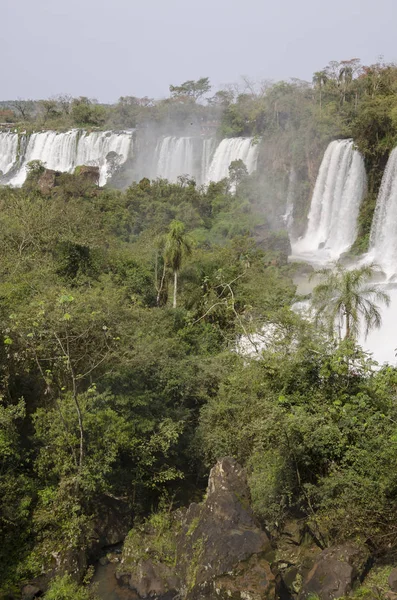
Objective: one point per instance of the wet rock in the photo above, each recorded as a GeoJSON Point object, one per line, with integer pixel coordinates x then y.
{"type": "Point", "coordinates": [335, 572]}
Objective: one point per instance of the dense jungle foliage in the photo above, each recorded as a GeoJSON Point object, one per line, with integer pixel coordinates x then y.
{"type": "Point", "coordinates": [124, 318]}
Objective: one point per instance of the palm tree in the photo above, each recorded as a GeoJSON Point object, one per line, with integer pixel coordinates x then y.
{"type": "Point", "coordinates": [177, 246]}
{"type": "Point", "coordinates": [345, 78]}
{"type": "Point", "coordinates": [348, 299]}
{"type": "Point", "coordinates": [320, 79]}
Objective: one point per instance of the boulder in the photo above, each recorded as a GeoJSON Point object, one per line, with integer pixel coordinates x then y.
{"type": "Point", "coordinates": [47, 181]}
{"type": "Point", "coordinates": [111, 525]}
{"type": "Point", "coordinates": [296, 554]}
{"type": "Point", "coordinates": [335, 572]}
{"type": "Point", "coordinates": [154, 580]}
{"type": "Point", "coordinates": [393, 580]}
{"type": "Point", "coordinates": [29, 592]}
{"type": "Point", "coordinates": [217, 548]}
{"type": "Point", "coordinates": [88, 173]}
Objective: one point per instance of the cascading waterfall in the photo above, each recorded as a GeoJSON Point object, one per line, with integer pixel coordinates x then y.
{"type": "Point", "coordinates": [174, 156]}
{"type": "Point", "coordinates": [201, 158]}
{"type": "Point", "coordinates": [288, 216]}
{"type": "Point", "coordinates": [63, 152]}
{"type": "Point", "coordinates": [8, 151]}
{"type": "Point", "coordinates": [229, 150]}
{"type": "Point", "coordinates": [207, 151]}
{"type": "Point", "coordinates": [383, 237]}
{"type": "Point", "coordinates": [93, 148]}
{"type": "Point", "coordinates": [338, 193]}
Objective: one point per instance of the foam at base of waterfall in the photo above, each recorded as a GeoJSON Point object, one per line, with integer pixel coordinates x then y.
{"type": "Point", "coordinates": [336, 200]}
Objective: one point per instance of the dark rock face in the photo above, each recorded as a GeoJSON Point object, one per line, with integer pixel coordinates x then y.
{"type": "Point", "coordinates": [29, 592]}
{"type": "Point", "coordinates": [296, 554]}
{"type": "Point", "coordinates": [335, 572]}
{"type": "Point", "coordinates": [47, 181]}
{"type": "Point", "coordinates": [89, 173]}
{"type": "Point", "coordinates": [220, 551]}
{"type": "Point", "coordinates": [221, 533]}
{"type": "Point", "coordinates": [111, 525]}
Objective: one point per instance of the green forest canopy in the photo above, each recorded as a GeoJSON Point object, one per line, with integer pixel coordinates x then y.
{"type": "Point", "coordinates": [106, 390]}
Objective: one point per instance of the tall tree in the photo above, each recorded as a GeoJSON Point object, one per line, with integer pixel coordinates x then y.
{"type": "Point", "coordinates": [176, 247]}
{"type": "Point", "coordinates": [347, 299]}
{"type": "Point", "coordinates": [191, 89]}
{"type": "Point", "coordinates": [320, 79]}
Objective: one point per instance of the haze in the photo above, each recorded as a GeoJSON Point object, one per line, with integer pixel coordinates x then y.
{"type": "Point", "coordinates": [104, 49]}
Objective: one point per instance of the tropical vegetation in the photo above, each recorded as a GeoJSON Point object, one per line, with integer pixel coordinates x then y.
{"type": "Point", "coordinates": [123, 314]}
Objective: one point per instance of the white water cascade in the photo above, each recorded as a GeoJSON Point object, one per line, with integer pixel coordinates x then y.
{"type": "Point", "coordinates": [174, 156]}
{"type": "Point", "coordinates": [8, 151]}
{"type": "Point", "coordinates": [228, 150]}
{"type": "Point", "coordinates": [206, 156]}
{"type": "Point", "coordinates": [202, 158]}
{"type": "Point", "coordinates": [383, 238]}
{"type": "Point", "coordinates": [288, 216]}
{"type": "Point", "coordinates": [62, 152]}
{"type": "Point", "coordinates": [196, 157]}
{"type": "Point", "coordinates": [338, 193]}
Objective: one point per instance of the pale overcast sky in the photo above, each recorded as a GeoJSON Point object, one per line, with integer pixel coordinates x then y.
{"type": "Point", "coordinates": [106, 49]}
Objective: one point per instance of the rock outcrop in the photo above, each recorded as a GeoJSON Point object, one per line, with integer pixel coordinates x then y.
{"type": "Point", "coordinates": [213, 550]}
{"type": "Point", "coordinates": [88, 173]}
{"type": "Point", "coordinates": [335, 572]}
{"type": "Point", "coordinates": [47, 181]}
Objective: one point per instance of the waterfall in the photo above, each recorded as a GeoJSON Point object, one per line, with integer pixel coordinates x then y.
{"type": "Point", "coordinates": [201, 158]}
{"type": "Point", "coordinates": [338, 193]}
{"type": "Point", "coordinates": [174, 156]}
{"type": "Point", "coordinates": [207, 151]}
{"type": "Point", "coordinates": [64, 152]}
{"type": "Point", "coordinates": [93, 148]}
{"type": "Point", "coordinates": [8, 151]}
{"type": "Point", "coordinates": [229, 150]}
{"type": "Point", "coordinates": [383, 237]}
{"type": "Point", "coordinates": [288, 216]}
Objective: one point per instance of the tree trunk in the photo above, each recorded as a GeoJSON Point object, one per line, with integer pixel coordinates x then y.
{"type": "Point", "coordinates": [347, 336]}
{"type": "Point", "coordinates": [175, 288]}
